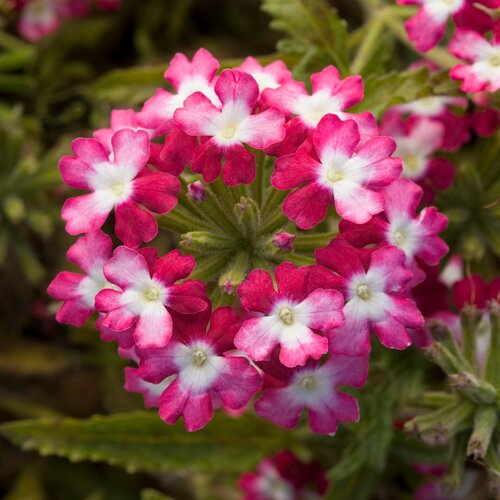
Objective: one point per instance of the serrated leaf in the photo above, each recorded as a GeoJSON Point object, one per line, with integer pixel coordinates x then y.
{"type": "Point", "coordinates": [383, 91]}
{"type": "Point", "coordinates": [310, 24]}
{"type": "Point", "coordinates": [141, 441]}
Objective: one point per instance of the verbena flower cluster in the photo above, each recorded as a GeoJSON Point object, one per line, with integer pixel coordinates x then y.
{"type": "Point", "coordinates": [39, 18]}
{"type": "Point", "coordinates": [256, 173]}
{"type": "Point", "coordinates": [476, 39]}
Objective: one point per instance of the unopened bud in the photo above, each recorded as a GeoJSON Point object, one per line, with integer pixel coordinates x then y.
{"type": "Point", "coordinates": [197, 191]}
{"type": "Point", "coordinates": [475, 389]}
{"type": "Point", "coordinates": [485, 421]}
{"type": "Point", "coordinates": [283, 240]}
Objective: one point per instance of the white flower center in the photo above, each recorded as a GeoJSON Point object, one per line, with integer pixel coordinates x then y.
{"type": "Point", "coordinates": [308, 382]}
{"type": "Point", "coordinates": [152, 294]}
{"type": "Point", "coordinates": [199, 358]}
{"type": "Point", "coordinates": [334, 175]}
{"type": "Point", "coordinates": [363, 292]}
{"type": "Point", "coordinates": [286, 315]}
{"type": "Point", "coordinates": [118, 189]}
{"type": "Point", "coordinates": [495, 60]}
{"type": "Point", "coordinates": [229, 131]}
{"type": "Point", "coordinates": [399, 237]}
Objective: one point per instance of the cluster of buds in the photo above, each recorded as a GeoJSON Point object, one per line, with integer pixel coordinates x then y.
{"type": "Point", "coordinates": [475, 40]}
{"type": "Point", "coordinates": [267, 298]}
{"type": "Point", "coordinates": [39, 18]}
{"type": "Point", "coordinates": [466, 346]}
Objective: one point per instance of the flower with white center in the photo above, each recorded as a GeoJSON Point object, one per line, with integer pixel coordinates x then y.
{"type": "Point", "coordinates": [314, 387]}
{"type": "Point", "coordinates": [400, 226]}
{"type": "Point", "coordinates": [187, 77]}
{"type": "Point", "coordinates": [431, 106]}
{"type": "Point", "coordinates": [229, 128]}
{"type": "Point", "coordinates": [283, 477]}
{"type": "Point", "coordinates": [146, 297]}
{"type": "Point", "coordinates": [202, 368]}
{"type": "Point", "coordinates": [374, 294]}
{"type": "Point", "coordinates": [330, 95]}
{"type": "Point", "coordinates": [290, 317]}
{"type": "Point", "coordinates": [267, 77]}
{"type": "Point", "coordinates": [119, 184]}
{"type": "Point", "coordinates": [90, 253]}
{"type": "Point", "coordinates": [427, 27]}
{"type": "Point", "coordinates": [338, 171]}
{"type": "Point", "coordinates": [483, 72]}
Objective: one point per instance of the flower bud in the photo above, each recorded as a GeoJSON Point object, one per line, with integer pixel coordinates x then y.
{"type": "Point", "coordinates": [283, 240]}
{"type": "Point", "coordinates": [197, 191]}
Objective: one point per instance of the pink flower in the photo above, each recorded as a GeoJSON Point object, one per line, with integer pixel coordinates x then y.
{"type": "Point", "coordinates": [150, 392]}
{"type": "Point", "coordinates": [147, 295]}
{"type": "Point", "coordinates": [38, 19]}
{"type": "Point", "coordinates": [374, 294]}
{"type": "Point", "coordinates": [186, 77]}
{"type": "Point", "coordinates": [77, 291]}
{"type": "Point", "coordinates": [120, 183]}
{"type": "Point", "coordinates": [120, 119]}
{"type": "Point", "coordinates": [416, 235]}
{"type": "Point", "coordinates": [437, 108]}
{"type": "Point", "coordinates": [314, 387]}
{"type": "Point", "coordinates": [417, 140]}
{"type": "Point", "coordinates": [267, 77]}
{"type": "Point", "coordinates": [289, 317]}
{"type": "Point", "coordinates": [336, 169]}
{"type": "Point", "coordinates": [284, 477]}
{"type": "Point", "coordinates": [330, 95]}
{"type": "Point", "coordinates": [227, 129]}
{"type": "Point", "coordinates": [196, 359]}
{"type": "Point", "coordinates": [428, 25]}
{"type": "Point", "coordinates": [484, 71]}
{"type": "Point", "coordinates": [474, 291]}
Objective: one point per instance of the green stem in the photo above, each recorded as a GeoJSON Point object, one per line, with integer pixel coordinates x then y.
{"type": "Point", "coordinates": [368, 45]}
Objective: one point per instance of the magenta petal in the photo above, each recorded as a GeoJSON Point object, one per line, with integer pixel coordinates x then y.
{"type": "Point", "coordinates": [65, 286]}
{"type": "Point", "coordinates": [340, 257]}
{"type": "Point", "coordinates": [239, 166]}
{"type": "Point", "coordinates": [188, 297]}
{"type": "Point", "coordinates": [294, 170]}
{"type": "Point", "coordinates": [203, 65]}
{"type": "Point", "coordinates": [75, 172]}
{"type": "Point", "coordinates": [154, 327]}
{"type": "Point", "coordinates": [424, 30]}
{"type": "Point", "coordinates": [74, 312]}
{"type": "Point", "coordinates": [257, 292]}
{"type": "Point", "coordinates": [198, 116]}
{"type": "Point", "coordinates": [176, 153]}
{"type": "Point", "coordinates": [402, 197]}
{"type": "Point", "coordinates": [224, 324]}
{"type": "Point", "coordinates": [335, 137]}
{"type": "Point", "coordinates": [257, 338]}
{"type": "Point", "coordinates": [156, 191]}
{"type": "Point", "coordinates": [207, 160]}
{"type": "Point", "coordinates": [91, 251]}
{"type": "Point", "coordinates": [308, 205]}
{"type": "Point", "coordinates": [173, 267]}
{"type": "Point", "coordinates": [292, 282]}
{"type": "Point", "coordinates": [85, 213]}
{"type": "Point", "coordinates": [352, 338]}
{"type": "Point", "coordinates": [133, 225]}
{"type": "Point", "coordinates": [275, 406]}
{"type": "Point", "coordinates": [127, 268]}
{"type": "Point", "coordinates": [235, 86]}
{"type": "Point", "coordinates": [131, 149]}
{"type": "Point", "coordinates": [90, 151]}
{"type": "Point", "coordinates": [238, 383]}
{"type": "Point", "coordinates": [348, 370]}
{"type": "Point", "coordinates": [392, 334]}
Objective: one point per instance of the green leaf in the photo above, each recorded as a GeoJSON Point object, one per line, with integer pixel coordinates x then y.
{"type": "Point", "coordinates": [310, 24]}
{"type": "Point", "coordinates": [141, 441]}
{"type": "Point", "coordinates": [131, 85]}
{"type": "Point", "coordinates": [151, 494]}
{"type": "Point", "coordinates": [384, 91]}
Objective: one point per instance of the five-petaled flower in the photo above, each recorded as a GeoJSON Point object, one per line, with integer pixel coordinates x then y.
{"type": "Point", "coordinates": [120, 183]}
{"type": "Point", "coordinates": [202, 369]}
{"type": "Point", "coordinates": [289, 317]}
{"type": "Point", "coordinates": [336, 169]}
{"type": "Point", "coordinates": [147, 293]}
